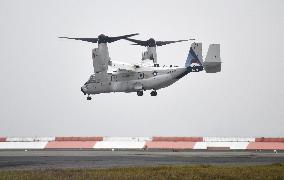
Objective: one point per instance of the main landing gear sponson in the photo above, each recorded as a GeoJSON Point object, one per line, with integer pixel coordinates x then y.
{"type": "Point", "coordinates": [153, 93]}
{"type": "Point", "coordinates": [140, 93]}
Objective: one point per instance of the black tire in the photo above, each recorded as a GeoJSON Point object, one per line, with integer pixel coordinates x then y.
{"type": "Point", "coordinates": [153, 93]}
{"type": "Point", "coordinates": [139, 93]}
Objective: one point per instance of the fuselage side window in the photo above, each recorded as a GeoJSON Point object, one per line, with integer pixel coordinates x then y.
{"type": "Point", "coordinates": [113, 78]}
{"type": "Point", "coordinates": [140, 75]}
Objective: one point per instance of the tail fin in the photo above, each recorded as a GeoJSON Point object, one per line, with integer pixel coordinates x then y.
{"type": "Point", "coordinates": [194, 55]}
{"type": "Point", "coordinates": [212, 63]}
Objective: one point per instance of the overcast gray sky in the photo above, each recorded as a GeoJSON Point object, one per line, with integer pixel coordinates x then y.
{"type": "Point", "coordinates": [41, 75]}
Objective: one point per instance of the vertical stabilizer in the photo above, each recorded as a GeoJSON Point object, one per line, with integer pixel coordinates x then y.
{"type": "Point", "coordinates": [194, 55]}
{"type": "Point", "coordinates": [212, 63]}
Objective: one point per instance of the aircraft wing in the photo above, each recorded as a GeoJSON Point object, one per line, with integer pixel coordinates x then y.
{"type": "Point", "coordinates": [123, 66]}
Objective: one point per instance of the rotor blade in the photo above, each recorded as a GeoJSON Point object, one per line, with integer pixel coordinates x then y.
{"type": "Point", "coordinates": [161, 43]}
{"type": "Point", "coordinates": [112, 39]}
{"type": "Point", "coordinates": [138, 42]}
{"type": "Point", "coordinates": [92, 40]}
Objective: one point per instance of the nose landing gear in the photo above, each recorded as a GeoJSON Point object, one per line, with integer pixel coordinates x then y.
{"type": "Point", "coordinates": [153, 93]}
{"type": "Point", "coordinates": [89, 98]}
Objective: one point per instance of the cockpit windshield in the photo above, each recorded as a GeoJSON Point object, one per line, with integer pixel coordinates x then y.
{"type": "Point", "coordinates": [91, 79]}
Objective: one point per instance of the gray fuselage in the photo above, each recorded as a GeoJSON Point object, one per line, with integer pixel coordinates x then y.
{"type": "Point", "coordinates": [143, 78]}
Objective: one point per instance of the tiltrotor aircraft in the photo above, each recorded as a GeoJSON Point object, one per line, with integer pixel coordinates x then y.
{"type": "Point", "coordinates": [110, 76]}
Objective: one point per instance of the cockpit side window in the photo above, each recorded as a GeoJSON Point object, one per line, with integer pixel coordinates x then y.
{"type": "Point", "coordinates": [92, 79]}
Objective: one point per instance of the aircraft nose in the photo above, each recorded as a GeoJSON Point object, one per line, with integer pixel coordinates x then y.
{"type": "Point", "coordinates": [82, 89]}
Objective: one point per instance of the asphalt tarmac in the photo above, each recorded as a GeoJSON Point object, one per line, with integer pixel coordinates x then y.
{"type": "Point", "coordinates": [11, 160]}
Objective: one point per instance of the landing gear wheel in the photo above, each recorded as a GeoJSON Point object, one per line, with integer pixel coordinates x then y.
{"type": "Point", "coordinates": [89, 98]}
{"type": "Point", "coordinates": [140, 93]}
{"type": "Point", "coordinates": [153, 93]}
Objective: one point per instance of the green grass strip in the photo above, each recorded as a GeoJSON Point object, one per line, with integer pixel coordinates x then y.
{"type": "Point", "coordinates": [274, 171]}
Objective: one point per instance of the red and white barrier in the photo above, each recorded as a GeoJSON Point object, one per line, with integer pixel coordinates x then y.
{"type": "Point", "coordinates": [2, 139]}
{"type": "Point", "coordinates": [70, 144]}
{"type": "Point", "coordinates": [29, 139]}
{"type": "Point", "coordinates": [221, 145]}
{"type": "Point", "coordinates": [138, 139]}
{"type": "Point", "coordinates": [178, 139]}
{"type": "Point", "coordinates": [263, 139]}
{"type": "Point", "coordinates": [22, 145]}
{"type": "Point", "coordinates": [169, 145]}
{"type": "Point", "coordinates": [98, 142]}
{"type": "Point", "coordinates": [228, 139]}
{"type": "Point", "coordinates": [265, 146]}
{"type": "Point", "coordinates": [76, 138]}
{"type": "Point", "coordinates": [119, 145]}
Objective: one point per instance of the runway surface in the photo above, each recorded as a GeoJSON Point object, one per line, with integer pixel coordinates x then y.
{"type": "Point", "coordinates": [105, 159]}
